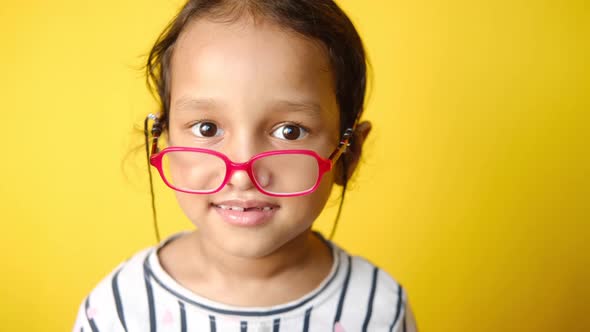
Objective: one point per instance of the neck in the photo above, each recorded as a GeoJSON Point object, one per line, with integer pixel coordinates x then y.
{"type": "Point", "coordinates": [288, 273]}
{"type": "Point", "coordinates": [295, 256]}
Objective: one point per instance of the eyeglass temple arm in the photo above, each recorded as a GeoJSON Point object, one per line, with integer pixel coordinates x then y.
{"type": "Point", "coordinates": [156, 131]}
{"type": "Point", "coordinates": [345, 141]}
{"type": "Point", "coordinates": [342, 146]}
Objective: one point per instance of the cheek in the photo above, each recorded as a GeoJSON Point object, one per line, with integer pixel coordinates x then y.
{"type": "Point", "coordinates": [193, 206]}
{"type": "Point", "coordinates": [325, 187]}
{"type": "Point", "coordinates": [309, 207]}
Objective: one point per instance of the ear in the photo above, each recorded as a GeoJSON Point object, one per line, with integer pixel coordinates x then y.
{"type": "Point", "coordinates": [353, 153]}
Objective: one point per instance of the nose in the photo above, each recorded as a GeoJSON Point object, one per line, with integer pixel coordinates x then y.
{"type": "Point", "coordinates": [238, 177]}
{"type": "Point", "coordinates": [240, 180]}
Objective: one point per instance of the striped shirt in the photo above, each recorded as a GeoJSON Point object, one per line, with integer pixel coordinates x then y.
{"type": "Point", "coordinates": [140, 296]}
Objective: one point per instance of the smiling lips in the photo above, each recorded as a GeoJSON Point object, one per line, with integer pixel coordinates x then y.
{"type": "Point", "coordinates": [245, 213]}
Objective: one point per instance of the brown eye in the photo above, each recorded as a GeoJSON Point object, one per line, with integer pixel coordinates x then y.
{"type": "Point", "coordinates": [206, 129]}
{"type": "Point", "coordinates": [289, 132]}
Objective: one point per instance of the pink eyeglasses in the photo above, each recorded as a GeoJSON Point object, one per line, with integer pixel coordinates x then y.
{"type": "Point", "coordinates": [280, 173]}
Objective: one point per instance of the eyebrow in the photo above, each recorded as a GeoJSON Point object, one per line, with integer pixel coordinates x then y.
{"type": "Point", "coordinates": [189, 103]}
{"type": "Point", "coordinates": [310, 109]}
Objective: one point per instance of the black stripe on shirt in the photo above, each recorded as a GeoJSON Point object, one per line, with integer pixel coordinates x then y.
{"type": "Point", "coordinates": [306, 321]}
{"type": "Point", "coordinates": [276, 325]}
{"type": "Point", "coordinates": [343, 292]}
{"type": "Point", "coordinates": [398, 307]}
{"type": "Point", "coordinates": [405, 324]}
{"type": "Point", "coordinates": [212, 324]}
{"type": "Point", "coordinates": [182, 317]}
{"type": "Point", "coordinates": [118, 302]}
{"type": "Point", "coordinates": [90, 320]}
{"type": "Point", "coordinates": [371, 299]}
{"type": "Point", "coordinates": [150, 296]}
{"type": "Point", "coordinates": [244, 326]}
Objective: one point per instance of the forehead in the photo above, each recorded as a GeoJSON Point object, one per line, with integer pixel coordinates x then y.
{"type": "Point", "coordinates": [250, 63]}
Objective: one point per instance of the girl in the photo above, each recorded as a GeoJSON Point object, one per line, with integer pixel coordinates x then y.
{"type": "Point", "coordinates": [260, 106]}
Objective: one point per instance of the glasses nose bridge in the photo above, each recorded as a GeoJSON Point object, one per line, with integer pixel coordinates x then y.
{"type": "Point", "coordinates": [234, 167]}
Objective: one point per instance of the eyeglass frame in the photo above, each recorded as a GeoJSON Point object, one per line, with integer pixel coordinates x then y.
{"type": "Point", "coordinates": [324, 165]}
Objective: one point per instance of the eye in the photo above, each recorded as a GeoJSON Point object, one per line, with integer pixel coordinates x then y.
{"type": "Point", "coordinates": [206, 129]}
{"type": "Point", "coordinates": [289, 132]}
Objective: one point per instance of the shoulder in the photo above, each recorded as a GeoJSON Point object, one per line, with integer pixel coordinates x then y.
{"type": "Point", "coordinates": [367, 285]}
{"type": "Point", "coordinates": [124, 287]}
{"type": "Point", "coordinates": [360, 271]}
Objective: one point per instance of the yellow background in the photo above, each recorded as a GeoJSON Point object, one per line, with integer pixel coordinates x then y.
{"type": "Point", "coordinates": [474, 192]}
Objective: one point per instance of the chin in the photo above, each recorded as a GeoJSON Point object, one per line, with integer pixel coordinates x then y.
{"type": "Point", "coordinates": [253, 242]}
{"type": "Point", "coordinates": [250, 247]}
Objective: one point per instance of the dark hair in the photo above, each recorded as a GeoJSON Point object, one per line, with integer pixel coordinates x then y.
{"type": "Point", "coordinates": [321, 20]}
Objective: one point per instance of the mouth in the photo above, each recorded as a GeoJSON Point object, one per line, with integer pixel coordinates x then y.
{"type": "Point", "coordinates": [242, 209]}
{"type": "Point", "coordinates": [245, 213]}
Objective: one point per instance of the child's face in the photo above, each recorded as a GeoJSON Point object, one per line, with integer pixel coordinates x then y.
{"type": "Point", "coordinates": [242, 89]}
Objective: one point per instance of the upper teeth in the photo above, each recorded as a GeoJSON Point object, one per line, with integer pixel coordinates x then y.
{"type": "Point", "coordinates": [241, 209]}
{"type": "Point", "coordinates": [235, 208]}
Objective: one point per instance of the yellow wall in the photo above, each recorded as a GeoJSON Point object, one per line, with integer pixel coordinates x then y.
{"type": "Point", "coordinates": [474, 192]}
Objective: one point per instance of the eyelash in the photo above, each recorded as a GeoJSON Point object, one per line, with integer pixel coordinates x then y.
{"type": "Point", "coordinates": [193, 123]}
{"type": "Point", "coordinates": [293, 123]}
